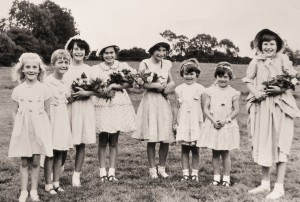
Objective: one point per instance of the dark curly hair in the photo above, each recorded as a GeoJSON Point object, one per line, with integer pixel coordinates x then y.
{"type": "Point", "coordinates": [81, 44]}
{"type": "Point", "coordinates": [223, 68]}
{"type": "Point", "coordinates": [268, 35]}
{"type": "Point", "coordinates": [191, 65]}
{"type": "Point", "coordinates": [157, 46]}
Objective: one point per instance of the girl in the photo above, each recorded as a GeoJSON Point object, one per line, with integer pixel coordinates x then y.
{"type": "Point", "coordinates": [271, 118]}
{"type": "Point", "coordinates": [31, 135]}
{"type": "Point", "coordinates": [220, 131]}
{"type": "Point", "coordinates": [59, 118]}
{"type": "Point", "coordinates": [188, 116]}
{"type": "Point", "coordinates": [154, 116]}
{"type": "Point", "coordinates": [81, 111]}
{"type": "Point", "coordinates": [114, 116]}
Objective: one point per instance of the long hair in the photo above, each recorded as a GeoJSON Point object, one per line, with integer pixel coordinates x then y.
{"type": "Point", "coordinates": [17, 73]}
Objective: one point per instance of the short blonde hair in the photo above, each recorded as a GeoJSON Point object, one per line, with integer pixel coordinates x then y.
{"type": "Point", "coordinates": [60, 53]}
{"type": "Point", "coordinates": [18, 75]}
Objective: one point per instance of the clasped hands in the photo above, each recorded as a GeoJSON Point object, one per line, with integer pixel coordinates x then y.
{"type": "Point", "coordinates": [270, 91]}
{"type": "Point", "coordinates": [166, 88]}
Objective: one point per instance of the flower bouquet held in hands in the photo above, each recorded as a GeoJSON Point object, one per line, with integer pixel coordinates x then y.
{"type": "Point", "coordinates": [95, 85]}
{"type": "Point", "coordinates": [284, 81]}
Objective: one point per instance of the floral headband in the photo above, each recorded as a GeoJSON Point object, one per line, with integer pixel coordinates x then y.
{"type": "Point", "coordinates": [77, 37]}
{"type": "Point", "coordinates": [225, 65]}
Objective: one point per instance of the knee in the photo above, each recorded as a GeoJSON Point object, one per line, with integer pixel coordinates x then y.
{"type": "Point", "coordinates": [216, 154]}
{"type": "Point", "coordinates": [102, 143]}
{"type": "Point", "coordinates": [113, 144]}
{"type": "Point", "coordinates": [24, 163]}
{"type": "Point", "coordinates": [35, 162]}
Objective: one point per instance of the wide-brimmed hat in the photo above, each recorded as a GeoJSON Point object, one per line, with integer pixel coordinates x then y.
{"type": "Point", "coordinates": [104, 46]}
{"type": "Point", "coordinates": [263, 32]}
{"type": "Point", "coordinates": [77, 37]}
{"type": "Point", "coordinates": [158, 42]}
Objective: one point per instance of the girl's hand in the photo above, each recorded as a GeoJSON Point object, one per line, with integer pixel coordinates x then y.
{"type": "Point", "coordinates": [160, 87]}
{"type": "Point", "coordinates": [222, 123]}
{"type": "Point", "coordinates": [169, 88]}
{"type": "Point", "coordinates": [217, 124]}
{"type": "Point", "coordinates": [260, 96]}
{"type": "Point", "coordinates": [109, 88]}
{"type": "Point", "coordinates": [274, 90]}
{"type": "Point", "coordinates": [80, 94]}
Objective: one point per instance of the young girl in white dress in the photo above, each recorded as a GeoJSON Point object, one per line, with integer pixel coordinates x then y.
{"type": "Point", "coordinates": [59, 118]}
{"type": "Point", "coordinates": [188, 116]}
{"type": "Point", "coordinates": [220, 131]}
{"type": "Point", "coordinates": [32, 133]}
{"type": "Point", "coordinates": [154, 116]}
{"type": "Point", "coordinates": [271, 118]}
{"type": "Point", "coordinates": [81, 111]}
{"type": "Point", "coordinates": [112, 116]}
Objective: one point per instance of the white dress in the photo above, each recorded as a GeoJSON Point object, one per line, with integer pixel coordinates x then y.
{"type": "Point", "coordinates": [59, 115]}
{"type": "Point", "coordinates": [154, 116]}
{"type": "Point", "coordinates": [117, 114]}
{"type": "Point", "coordinates": [32, 133]}
{"type": "Point", "coordinates": [81, 112]}
{"type": "Point", "coordinates": [190, 115]}
{"type": "Point", "coordinates": [227, 137]}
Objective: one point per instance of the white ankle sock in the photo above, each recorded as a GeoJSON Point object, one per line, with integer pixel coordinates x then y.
{"type": "Point", "coordinates": [226, 178]}
{"type": "Point", "coordinates": [265, 183]}
{"type": "Point", "coordinates": [111, 172]}
{"type": "Point", "coordinates": [185, 172]}
{"type": "Point", "coordinates": [102, 172]}
{"type": "Point", "coordinates": [195, 172]}
{"type": "Point", "coordinates": [217, 178]}
{"type": "Point", "coordinates": [278, 187]}
{"type": "Point", "coordinates": [56, 184]}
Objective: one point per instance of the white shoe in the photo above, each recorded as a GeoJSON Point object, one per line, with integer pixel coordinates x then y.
{"type": "Point", "coordinates": [259, 189]}
{"type": "Point", "coordinates": [162, 172]}
{"type": "Point", "coordinates": [34, 197]}
{"type": "Point", "coordinates": [153, 173]}
{"type": "Point", "coordinates": [275, 194]}
{"type": "Point", "coordinates": [49, 188]}
{"type": "Point", "coordinates": [23, 196]}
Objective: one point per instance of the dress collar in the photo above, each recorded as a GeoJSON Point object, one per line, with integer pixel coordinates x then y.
{"type": "Point", "coordinates": [105, 67]}
{"type": "Point", "coordinates": [55, 81]}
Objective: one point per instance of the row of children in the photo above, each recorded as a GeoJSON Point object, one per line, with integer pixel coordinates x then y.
{"type": "Point", "coordinates": [49, 119]}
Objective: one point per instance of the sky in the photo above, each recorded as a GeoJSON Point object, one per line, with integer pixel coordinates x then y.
{"type": "Point", "coordinates": [130, 23]}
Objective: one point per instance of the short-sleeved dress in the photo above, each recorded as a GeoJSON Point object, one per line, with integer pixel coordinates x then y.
{"type": "Point", "coordinates": [190, 115]}
{"type": "Point", "coordinates": [154, 116]}
{"type": "Point", "coordinates": [227, 137]}
{"type": "Point", "coordinates": [81, 112]}
{"type": "Point", "coordinates": [117, 114]}
{"type": "Point", "coordinates": [59, 115]}
{"type": "Point", "coordinates": [32, 133]}
{"type": "Point", "coordinates": [270, 122]}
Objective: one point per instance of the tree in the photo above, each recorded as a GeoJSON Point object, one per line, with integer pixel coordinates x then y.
{"type": "Point", "coordinates": [9, 51]}
{"type": "Point", "coordinates": [230, 48]}
{"type": "Point", "coordinates": [135, 53]}
{"type": "Point", "coordinates": [203, 43]}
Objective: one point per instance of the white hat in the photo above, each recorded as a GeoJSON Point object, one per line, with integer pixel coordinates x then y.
{"type": "Point", "coordinates": [77, 37]}
{"type": "Point", "coordinates": [104, 46]}
{"type": "Point", "coordinates": [159, 40]}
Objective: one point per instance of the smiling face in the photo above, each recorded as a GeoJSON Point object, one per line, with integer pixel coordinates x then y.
{"type": "Point", "coordinates": [160, 53]}
{"type": "Point", "coordinates": [78, 53]}
{"type": "Point", "coordinates": [269, 48]}
{"type": "Point", "coordinates": [223, 81]}
{"type": "Point", "coordinates": [109, 55]}
{"type": "Point", "coordinates": [61, 65]}
{"type": "Point", "coordinates": [189, 77]}
{"type": "Point", "coordinates": [31, 69]}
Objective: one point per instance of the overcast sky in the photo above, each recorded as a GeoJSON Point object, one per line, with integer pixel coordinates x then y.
{"type": "Point", "coordinates": [138, 23]}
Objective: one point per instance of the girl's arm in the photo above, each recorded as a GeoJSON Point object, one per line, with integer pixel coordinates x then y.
{"type": "Point", "coordinates": [259, 95]}
{"type": "Point", "coordinates": [47, 107]}
{"type": "Point", "coordinates": [14, 111]}
{"type": "Point", "coordinates": [208, 114]}
{"type": "Point", "coordinates": [82, 93]}
{"type": "Point", "coordinates": [175, 112]}
{"type": "Point", "coordinates": [203, 100]}
{"type": "Point", "coordinates": [170, 84]}
{"type": "Point", "coordinates": [114, 86]}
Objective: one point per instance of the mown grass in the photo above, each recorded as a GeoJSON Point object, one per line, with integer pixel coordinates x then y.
{"type": "Point", "coordinates": [132, 170]}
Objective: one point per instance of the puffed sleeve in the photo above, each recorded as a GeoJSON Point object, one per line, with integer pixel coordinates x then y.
{"type": "Point", "coordinates": [251, 72]}
{"type": "Point", "coordinates": [14, 95]}
{"type": "Point", "coordinates": [288, 66]}
{"type": "Point", "coordinates": [209, 91]}
{"type": "Point", "coordinates": [236, 95]}
{"type": "Point", "coordinates": [168, 64]}
{"type": "Point", "coordinates": [143, 66]}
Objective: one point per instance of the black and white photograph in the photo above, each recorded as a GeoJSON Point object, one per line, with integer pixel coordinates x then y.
{"type": "Point", "coordinates": [149, 100]}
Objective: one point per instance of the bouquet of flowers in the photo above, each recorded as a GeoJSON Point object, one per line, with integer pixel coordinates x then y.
{"type": "Point", "coordinates": [283, 81]}
{"type": "Point", "coordinates": [95, 85]}
{"type": "Point", "coordinates": [121, 77]}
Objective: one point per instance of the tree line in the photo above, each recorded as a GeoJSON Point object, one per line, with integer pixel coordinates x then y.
{"type": "Point", "coordinates": [46, 27]}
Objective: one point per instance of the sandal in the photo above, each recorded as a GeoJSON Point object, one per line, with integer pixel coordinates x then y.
{"type": "Point", "coordinates": [214, 182]}
{"type": "Point", "coordinates": [225, 184]}
{"type": "Point", "coordinates": [59, 189]}
{"type": "Point", "coordinates": [103, 178]}
{"type": "Point", "coordinates": [195, 178]}
{"type": "Point", "coordinates": [184, 178]}
{"type": "Point", "coordinates": [112, 178]}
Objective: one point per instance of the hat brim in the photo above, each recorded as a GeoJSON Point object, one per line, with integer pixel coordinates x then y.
{"type": "Point", "coordinates": [103, 49]}
{"type": "Point", "coordinates": [263, 32]}
{"type": "Point", "coordinates": [159, 44]}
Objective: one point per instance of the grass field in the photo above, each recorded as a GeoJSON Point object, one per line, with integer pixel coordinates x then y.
{"type": "Point", "coordinates": [132, 169]}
